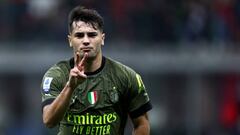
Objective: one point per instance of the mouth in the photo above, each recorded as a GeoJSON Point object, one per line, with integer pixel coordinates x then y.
{"type": "Point", "coordinates": [86, 49]}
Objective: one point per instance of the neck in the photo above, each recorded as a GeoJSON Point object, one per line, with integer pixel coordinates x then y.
{"type": "Point", "coordinates": [92, 65]}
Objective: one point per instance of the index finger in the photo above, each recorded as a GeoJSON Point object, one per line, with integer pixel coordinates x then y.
{"type": "Point", "coordinates": [77, 59]}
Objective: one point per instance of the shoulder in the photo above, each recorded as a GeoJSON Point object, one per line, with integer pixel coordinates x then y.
{"type": "Point", "coordinates": [61, 67]}
{"type": "Point", "coordinates": [119, 68]}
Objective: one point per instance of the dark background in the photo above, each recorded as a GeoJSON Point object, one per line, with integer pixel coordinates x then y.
{"type": "Point", "coordinates": [187, 52]}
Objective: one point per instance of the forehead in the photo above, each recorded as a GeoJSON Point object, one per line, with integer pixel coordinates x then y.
{"type": "Point", "coordinates": [80, 26]}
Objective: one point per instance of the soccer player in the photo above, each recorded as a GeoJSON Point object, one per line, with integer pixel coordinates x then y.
{"type": "Point", "coordinates": [91, 93]}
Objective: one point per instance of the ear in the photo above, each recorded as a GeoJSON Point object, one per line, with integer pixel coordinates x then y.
{"type": "Point", "coordinates": [70, 40]}
{"type": "Point", "coordinates": [103, 38]}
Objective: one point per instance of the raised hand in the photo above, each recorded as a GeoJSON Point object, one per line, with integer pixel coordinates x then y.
{"type": "Point", "coordinates": [76, 75]}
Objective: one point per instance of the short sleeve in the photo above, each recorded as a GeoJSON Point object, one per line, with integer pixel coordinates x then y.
{"type": "Point", "coordinates": [52, 84]}
{"type": "Point", "coordinates": [139, 102]}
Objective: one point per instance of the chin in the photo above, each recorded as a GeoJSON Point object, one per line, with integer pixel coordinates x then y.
{"type": "Point", "coordinates": [91, 56]}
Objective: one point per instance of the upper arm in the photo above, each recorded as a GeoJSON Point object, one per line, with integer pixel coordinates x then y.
{"type": "Point", "coordinates": [141, 121]}
{"type": "Point", "coordinates": [45, 109]}
{"type": "Point", "coordinates": [137, 96]}
{"type": "Point", "coordinates": [141, 125]}
{"type": "Point", "coordinates": [52, 85]}
{"type": "Point", "coordinates": [138, 105]}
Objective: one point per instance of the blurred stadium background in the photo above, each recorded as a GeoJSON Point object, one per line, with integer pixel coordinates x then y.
{"type": "Point", "coordinates": [187, 52]}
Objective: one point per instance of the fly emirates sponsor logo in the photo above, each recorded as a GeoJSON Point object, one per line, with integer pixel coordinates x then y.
{"type": "Point", "coordinates": [92, 124]}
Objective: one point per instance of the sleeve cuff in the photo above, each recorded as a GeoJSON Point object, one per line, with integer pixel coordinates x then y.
{"type": "Point", "coordinates": [141, 110]}
{"type": "Point", "coordinates": [47, 102]}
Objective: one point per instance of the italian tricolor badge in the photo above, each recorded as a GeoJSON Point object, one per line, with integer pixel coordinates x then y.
{"type": "Point", "coordinates": [92, 97]}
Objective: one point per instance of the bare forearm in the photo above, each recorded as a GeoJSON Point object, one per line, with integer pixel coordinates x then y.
{"type": "Point", "coordinates": [53, 113]}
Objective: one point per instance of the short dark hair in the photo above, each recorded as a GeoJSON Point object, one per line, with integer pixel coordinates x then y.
{"type": "Point", "coordinates": [89, 16]}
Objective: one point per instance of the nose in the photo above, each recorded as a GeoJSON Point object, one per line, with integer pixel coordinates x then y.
{"type": "Point", "coordinates": [86, 40]}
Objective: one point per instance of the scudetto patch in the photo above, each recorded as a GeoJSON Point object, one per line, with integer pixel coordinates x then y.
{"type": "Point", "coordinates": [47, 83]}
{"type": "Point", "coordinates": [92, 97]}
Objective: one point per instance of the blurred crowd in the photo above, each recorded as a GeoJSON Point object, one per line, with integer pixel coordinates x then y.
{"type": "Point", "coordinates": [146, 22]}
{"type": "Point", "coordinates": [135, 20]}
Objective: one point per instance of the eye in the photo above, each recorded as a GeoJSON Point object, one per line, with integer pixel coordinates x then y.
{"type": "Point", "coordinates": [92, 34]}
{"type": "Point", "coordinates": [79, 35]}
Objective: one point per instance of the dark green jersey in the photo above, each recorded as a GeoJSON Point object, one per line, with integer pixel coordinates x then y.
{"type": "Point", "coordinates": [101, 104]}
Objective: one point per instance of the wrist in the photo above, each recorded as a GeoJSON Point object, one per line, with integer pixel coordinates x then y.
{"type": "Point", "coordinates": [68, 86]}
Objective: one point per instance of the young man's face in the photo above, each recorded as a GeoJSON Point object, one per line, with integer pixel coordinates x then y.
{"type": "Point", "coordinates": [84, 38]}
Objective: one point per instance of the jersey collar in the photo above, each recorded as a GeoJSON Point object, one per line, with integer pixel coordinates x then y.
{"type": "Point", "coordinates": [94, 72]}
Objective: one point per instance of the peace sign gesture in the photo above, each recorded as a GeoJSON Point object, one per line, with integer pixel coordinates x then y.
{"type": "Point", "coordinates": [77, 75]}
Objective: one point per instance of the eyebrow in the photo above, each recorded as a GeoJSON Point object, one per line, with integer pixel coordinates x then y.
{"type": "Point", "coordinates": [88, 33]}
